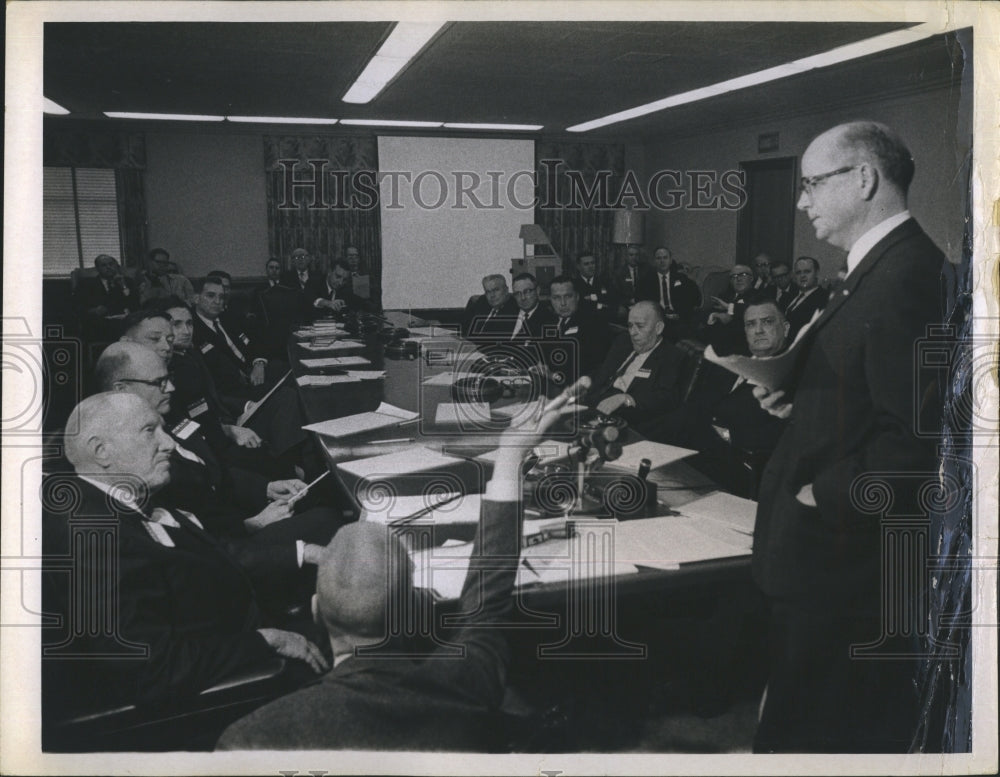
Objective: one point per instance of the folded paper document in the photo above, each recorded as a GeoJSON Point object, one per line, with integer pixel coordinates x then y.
{"type": "Point", "coordinates": [462, 413]}
{"type": "Point", "coordinates": [416, 458]}
{"type": "Point", "coordinates": [733, 511]}
{"type": "Point", "coordinates": [669, 541]}
{"type": "Point", "coordinates": [335, 361]}
{"type": "Point", "coordinates": [384, 415]}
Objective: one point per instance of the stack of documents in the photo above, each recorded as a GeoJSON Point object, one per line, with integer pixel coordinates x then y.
{"type": "Point", "coordinates": [321, 329]}
{"type": "Point", "coordinates": [334, 361]}
{"type": "Point", "coordinates": [323, 344]}
{"type": "Point", "coordinates": [384, 415]}
{"type": "Point", "coordinates": [433, 331]}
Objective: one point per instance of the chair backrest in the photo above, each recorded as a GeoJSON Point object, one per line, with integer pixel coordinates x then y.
{"type": "Point", "coordinates": [714, 284]}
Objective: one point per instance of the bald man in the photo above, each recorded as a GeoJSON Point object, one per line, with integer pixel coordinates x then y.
{"type": "Point", "coordinates": [859, 399]}
{"type": "Point", "coordinates": [375, 701]}
{"type": "Point", "coordinates": [640, 377]}
{"type": "Point", "coordinates": [185, 613]}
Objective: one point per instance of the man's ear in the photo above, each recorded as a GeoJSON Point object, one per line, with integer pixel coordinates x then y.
{"type": "Point", "coordinates": [869, 180]}
{"type": "Point", "coordinates": [100, 450]}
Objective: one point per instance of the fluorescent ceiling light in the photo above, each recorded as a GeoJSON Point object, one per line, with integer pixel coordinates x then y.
{"type": "Point", "coordinates": [404, 43]}
{"type": "Point", "coordinates": [841, 54]}
{"type": "Point", "coordinates": [54, 108]}
{"type": "Point", "coordinates": [517, 127]}
{"type": "Point", "coordinates": [390, 123]}
{"type": "Point", "coordinates": [278, 120]}
{"type": "Point", "coordinates": [162, 116]}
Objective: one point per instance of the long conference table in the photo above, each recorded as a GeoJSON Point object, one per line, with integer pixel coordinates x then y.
{"type": "Point", "coordinates": [688, 617]}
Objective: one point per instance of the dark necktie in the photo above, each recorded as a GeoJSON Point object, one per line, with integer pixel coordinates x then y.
{"type": "Point", "coordinates": [797, 301]}
{"type": "Point", "coordinates": [230, 343]}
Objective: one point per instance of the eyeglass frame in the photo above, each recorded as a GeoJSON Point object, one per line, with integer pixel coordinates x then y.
{"type": "Point", "coordinates": [806, 185]}
{"type": "Point", "coordinates": [741, 275]}
{"type": "Point", "coordinates": [160, 383]}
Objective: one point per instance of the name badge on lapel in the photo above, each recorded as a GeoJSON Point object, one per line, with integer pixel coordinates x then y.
{"type": "Point", "coordinates": [197, 407]}
{"type": "Point", "coordinates": [644, 372]}
{"type": "Point", "coordinates": [592, 297]}
{"type": "Point", "coordinates": [244, 339]}
{"type": "Point", "coordinates": [185, 428]}
{"type": "Point", "coordinates": [206, 347]}
{"type": "Point", "coordinates": [159, 534]}
{"type": "Point", "coordinates": [572, 330]}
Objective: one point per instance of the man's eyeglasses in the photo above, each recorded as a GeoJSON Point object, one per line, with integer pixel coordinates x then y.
{"type": "Point", "coordinates": [806, 185]}
{"type": "Point", "coordinates": [160, 383]}
{"type": "Point", "coordinates": [741, 275]}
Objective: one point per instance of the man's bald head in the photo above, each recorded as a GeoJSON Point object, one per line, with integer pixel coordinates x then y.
{"type": "Point", "coordinates": [136, 369]}
{"type": "Point", "coordinates": [364, 565]}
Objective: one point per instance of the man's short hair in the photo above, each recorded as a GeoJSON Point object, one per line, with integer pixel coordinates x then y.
{"type": "Point", "coordinates": [563, 278]}
{"type": "Point", "coordinates": [494, 277]}
{"type": "Point", "coordinates": [104, 256]}
{"type": "Point", "coordinates": [670, 254]}
{"type": "Point", "coordinates": [338, 263]}
{"type": "Point", "coordinates": [132, 320]}
{"type": "Point", "coordinates": [653, 305]}
{"type": "Point", "coordinates": [887, 148]}
{"type": "Point", "coordinates": [208, 279]}
{"type": "Point", "coordinates": [583, 255]}
{"type": "Point", "coordinates": [760, 297]}
{"type": "Point", "coordinates": [113, 362]}
{"type": "Point", "coordinates": [781, 264]}
{"type": "Point", "coordinates": [159, 252]}
{"type": "Point", "coordinates": [524, 276]}
{"type": "Point", "coordinates": [220, 274]}
{"type": "Point", "coordinates": [812, 260]}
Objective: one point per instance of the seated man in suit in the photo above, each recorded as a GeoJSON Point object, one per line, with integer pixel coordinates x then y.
{"type": "Point", "coordinates": [359, 285]}
{"type": "Point", "coordinates": [677, 294]}
{"type": "Point", "coordinates": [596, 291]}
{"type": "Point", "coordinates": [583, 327]}
{"type": "Point", "coordinates": [784, 292]}
{"type": "Point", "coordinates": [762, 271]}
{"type": "Point", "coordinates": [640, 378]}
{"type": "Point", "coordinates": [303, 280]}
{"type": "Point", "coordinates": [105, 300]}
{"type": "Point", "coordinates": [159, 281]}
{"type": "Point", "coordinates": [723, 419]}
{"type": "Point", "coordinates": [186, 614]}
{"type": "Point", "coordinates": [335, 295]}
{"type": "Point", "coordinates": [491, 314]}
{"type": "Point", "coordinates": [377, 701]}
{"type": "Point", "coordinates": [243, 375]}
{"type": "Point", "coordinates": [151, 328]}
{"type": "Point", "coordinates": [811, 296]}
{"type": "Point", "coordinates": [534, 321]}
{"type": "Point", "coordinates": [629, 279]}
{"type": "Point", "coordinates": [725, 323]}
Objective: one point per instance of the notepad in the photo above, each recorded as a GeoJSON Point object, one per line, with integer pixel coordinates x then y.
{"type": "Point", "coordinates": [334, 361]}
{"type": "Point", "coordinates": [447, 378]}
{"type": "Point", "coordinates": [384, 415]}
{"type": "Point", "coordinates": [462, 413]}
{"type": "Point", "coordinates": [733, 511]}
{"type": "Point", "coordinates": [658, 454]}
{"type": "Point", "coordinates": [416, 458]}
{"type": "Point", "coordinates": [326, 380]}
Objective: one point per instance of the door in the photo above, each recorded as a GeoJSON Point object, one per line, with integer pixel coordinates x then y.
{"type": "Point", "coordinates": [767, 221]}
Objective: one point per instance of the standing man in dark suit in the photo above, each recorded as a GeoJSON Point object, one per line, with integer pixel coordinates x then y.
{"type": "Point", "coordinates": [105, 300]}
{"type": "Point", "coordinates": [596, 291]}
{"type": "Point", "coordinates": [783, 289]}
{"type": "Point", "coordinates": [640, 378]}
{"type": "Point", "coordinates": [374, 700]}
{"type": "Point", "coordinates": [492, 314]}
{"type": "Point", "coordinates": [677, 294]}
{"type": "Point", "coordinates": [178, 593]}
{"type": "Point", "coordinates": [811, 296]}
{"type": "Point", "coordinates": [817, 554]}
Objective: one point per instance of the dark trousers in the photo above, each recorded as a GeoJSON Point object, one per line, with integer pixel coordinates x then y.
{"type": "Point", "coordinates": [821, 700]}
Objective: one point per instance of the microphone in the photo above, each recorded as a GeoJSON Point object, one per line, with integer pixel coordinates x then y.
{"type": "Point", "coordinates": [580, 387]}
{"type": "Point", "coordinates": [604, 440]}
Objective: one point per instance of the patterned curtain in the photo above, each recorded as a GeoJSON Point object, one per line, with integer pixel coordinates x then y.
{"type": "Point", "coordinates": [322, 195]}
{"type": "Point", "coordinates": [577, 227]}
{"type": "Point", "coordinates": [125, 152]}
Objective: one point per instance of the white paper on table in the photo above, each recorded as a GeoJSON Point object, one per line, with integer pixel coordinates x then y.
{"type": "Point", "coordinates": [384, 415]}
{"type": "Point", "coordinates": [433, 331]}
{"type": "Point", "coordinates": [339, 345]}
{"type": "Point", "coordinates": [546, 451]}
{"type": "Point", "coordinates": [447, 378]}
{"type": "Point", "coordinates": [462, 413]}
{"type": "Point", "coordinates": [335, 361]}
{"type": "Point", "coordinates": [367, 374]}
{"type": "Point", "coordinates": [326, 380]}
{"type": "Point", "coordinates": [658, 454]}
{"type": "Point", "coordinates": [255, 406]}
{"type": "Point", "coordinates": [669, 541]}
{"type": "Point", "coordinates": [385, 510]}
{"type": "Point", "coordinates": [735, 512]}
{"type": "Point", "coordinates": [416, 458]}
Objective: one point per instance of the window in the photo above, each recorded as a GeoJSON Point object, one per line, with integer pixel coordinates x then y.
{"type": "Point", "coordinates": [80, 218]}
